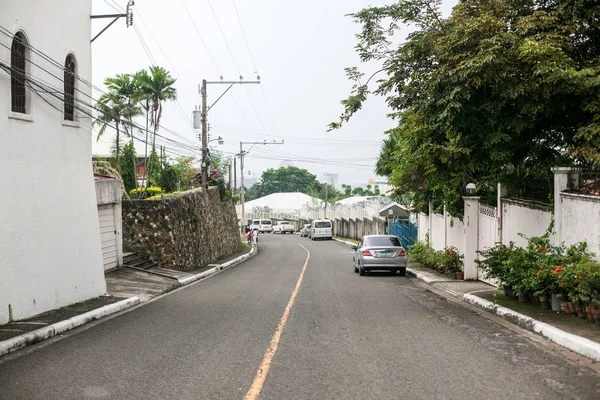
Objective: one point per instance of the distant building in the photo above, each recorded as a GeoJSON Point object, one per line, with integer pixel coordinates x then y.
{"type": "Point", "coordinates": [332, 179]}
{"type": "Point", "coordinates": [384, 187]}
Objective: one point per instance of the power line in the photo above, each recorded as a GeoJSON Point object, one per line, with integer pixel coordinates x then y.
{"type": "Point", "coordinates": [144, 45]}
{"type": "Point", "coordinates": [200, 36]}
{"type": "Point", "coordinates": [224, 38]}
{"type": "Point", "coordinates": [9, 34]}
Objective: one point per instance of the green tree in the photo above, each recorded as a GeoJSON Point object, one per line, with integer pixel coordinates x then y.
{"type": "Point", "coordinates": [495, 87]}
{"type": "Point", "coordinates": [286, 179]}
{"type": "Point", "coordinates": [128, 167]}
{"type": "Point", "coordinates": [156, 86]}
{"type": "Point", "coordinates": [169, 178]}
{"type": "Point", "coordinates": [153, 176]}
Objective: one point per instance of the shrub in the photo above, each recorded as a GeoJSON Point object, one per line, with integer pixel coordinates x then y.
{"type": "Point", "coordinates": [143, 193]}
{"type": "Point", "coordinates": [544, 269]}
{"type": "Point", "coordinates": [450, 261]}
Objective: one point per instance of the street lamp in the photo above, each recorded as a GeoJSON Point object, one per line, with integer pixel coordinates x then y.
{"type": "Point", "coordinates": [220, 139]}
{"type": "Point", "coordinates": [471, 189]}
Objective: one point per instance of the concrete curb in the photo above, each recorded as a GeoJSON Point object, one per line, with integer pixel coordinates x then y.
{"type": "Point", "coordinates": [344, 241]}
{"type": "Point", "coordinates": [214, 270]}
{"type": "Point", "coordinates": [29, 338]}
{"type": "Point", "coordinates": [420, 276]}
{"type": "Point", "coordinates": [578, 344]}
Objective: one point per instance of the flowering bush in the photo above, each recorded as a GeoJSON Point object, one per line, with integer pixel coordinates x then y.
{"type": "Point", "coordinates": [544, 269]}
{"type": "Point", "coordinates": [448, 261]}
{"type": "Point", "coordinates": [451, 261]}
{"type": "Point", "coordinates": [215, 177]}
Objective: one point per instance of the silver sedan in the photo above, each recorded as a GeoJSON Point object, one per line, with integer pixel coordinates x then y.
{"type": "Point", "coordinates": [379, 252]}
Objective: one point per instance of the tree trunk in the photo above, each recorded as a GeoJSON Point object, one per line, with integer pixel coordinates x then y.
{"type": "Point", "coordinates": [118, 150]}
{"type": "Point", "coordinates": [145, 180]}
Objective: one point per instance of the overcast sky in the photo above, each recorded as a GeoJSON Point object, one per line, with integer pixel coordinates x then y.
{"type": "Point", "coordinates": [299, 49]}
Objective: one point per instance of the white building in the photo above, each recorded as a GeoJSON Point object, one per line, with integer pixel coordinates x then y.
{"type": "Point", "coordinates": [50, 253]}
{"type": "Point", "coordinates": [332, 179]}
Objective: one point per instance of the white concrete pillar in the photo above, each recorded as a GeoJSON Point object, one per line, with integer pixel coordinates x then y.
{"type": "Point", "coordinates": [445, 227]}
{"type": "Point", "coordinates": [430, 227]}
{"type": "Point", "coordinates": [564, 178]}
{"type": "Point", "coordinates": [471, 223]}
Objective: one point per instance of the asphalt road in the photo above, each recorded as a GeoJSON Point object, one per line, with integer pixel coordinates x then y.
{"type": "Point", "coordinates": [346, 337]}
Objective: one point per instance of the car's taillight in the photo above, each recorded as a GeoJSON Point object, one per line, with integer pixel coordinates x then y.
{"type": "Point", "coordinates": [403, 253]}
{"type": "Point", "coordinates": [367, 253]}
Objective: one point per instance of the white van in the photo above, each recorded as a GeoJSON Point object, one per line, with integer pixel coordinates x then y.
{"type": "Point", "coordinates": [263, 225]}
{"type": "Point", "coordinates": [321, 229]}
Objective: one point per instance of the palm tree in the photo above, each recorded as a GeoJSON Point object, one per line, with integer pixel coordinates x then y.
{"type": "Point", "coordinates": [156, 86]}
{"type": "Point", "coordinates": [117, 105]}
{"type": "Point", "coordinates": [110, 110]}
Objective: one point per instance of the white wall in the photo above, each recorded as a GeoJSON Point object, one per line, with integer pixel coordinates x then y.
{"type": "Point", "coordinates": [519, 216]}
{"type": "Point", "coordinates": [581, 220]}
{"type": "Point", "coordinates": [456, 233]}
{"type": "Point", "coordinates": [423, 226]}
{"type": "Point", "coordinates": [438, 231]}
{"type": "Point", "coordinates": [49, 242]}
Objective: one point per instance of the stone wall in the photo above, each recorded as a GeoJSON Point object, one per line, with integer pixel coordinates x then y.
{"type": "Point", "coordinates": [183, 231]}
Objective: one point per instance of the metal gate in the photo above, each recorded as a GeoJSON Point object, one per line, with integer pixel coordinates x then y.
{"type": "Point", "coordinates": [487, 234]}
{"type": "Point", "coordinates": [405, 231]}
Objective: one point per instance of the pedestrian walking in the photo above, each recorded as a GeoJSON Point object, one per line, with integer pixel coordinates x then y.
{"type": "Point", "coordinates": [255, 236]}
{"type": "Point", "coordinates": [249, 237]}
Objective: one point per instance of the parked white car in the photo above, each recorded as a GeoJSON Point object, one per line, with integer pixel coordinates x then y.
{"type": "Point", "coordinates": [321, 229]}
{"type": "Point", "coordinates": [305, 230]}
{"type": "Point", "coordinates": [284, 227]}
{"type": "Point", "coordinates": [262, 225]}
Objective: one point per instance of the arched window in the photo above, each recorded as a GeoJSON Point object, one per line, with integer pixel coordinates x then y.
{"type": "Point", "coordinates": [18, 66]}
{"type": "Point", "coordinates": [69, 81]}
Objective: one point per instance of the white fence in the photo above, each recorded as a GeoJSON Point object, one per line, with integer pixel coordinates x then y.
{"type": "Point", "coordinates": [581, 220]}
{"type": "Point", "coordinates": [445, 230]}
{"type": "Point", "coordinates": [355, 211]}
{"type": "Point", "coordinates": [523, 218]}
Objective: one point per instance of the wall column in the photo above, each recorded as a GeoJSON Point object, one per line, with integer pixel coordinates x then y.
{"type": "Point", "coordinates": [471, 223]}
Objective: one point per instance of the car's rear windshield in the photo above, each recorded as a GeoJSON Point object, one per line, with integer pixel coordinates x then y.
{"type": "Point", "coordinates": [265, 222]}
{"type": "Point", "coordinates": [323, 224]}
{"type": "Point", "coordinates": [383, 241]}
{"type": "Point", "coordinates": [285, 223]}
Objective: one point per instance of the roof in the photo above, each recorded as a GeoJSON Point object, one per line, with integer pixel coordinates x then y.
{"type": "Point", "coordinates": [284, 202]}
{"type": "Point", "coordinates": [360, 199]}
{"type": "Point", "coordinates": [398, 210]}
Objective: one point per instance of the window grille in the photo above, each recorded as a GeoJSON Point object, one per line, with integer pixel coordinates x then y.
{"type": "Point", "coordinates": [18, 74]}
{"type": "Point", "coordinates": [69, 88]}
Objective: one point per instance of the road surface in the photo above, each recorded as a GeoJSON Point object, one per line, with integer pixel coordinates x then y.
{"type": "Point", "coordinates": [342, 337]}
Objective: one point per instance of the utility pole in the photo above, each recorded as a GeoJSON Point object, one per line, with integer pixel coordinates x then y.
{"type": "Point", "coordinates": [234, 174]}
{"type": "Point", "coordinates": [242, 190]}
{"type": "Point", "coordinates": [204, 119]}
{"type": "Point", "coordinates": [128, 18]}
{"type": "Point", "coordinates": [325, 213]}
{"type": "Point", "coordinates": [204, 139]}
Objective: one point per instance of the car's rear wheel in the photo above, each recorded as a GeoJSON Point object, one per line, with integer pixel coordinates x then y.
{"type": "Point", "coordinates": [361, 271]}
{"type": "Point", "coordinates": [403, 271]}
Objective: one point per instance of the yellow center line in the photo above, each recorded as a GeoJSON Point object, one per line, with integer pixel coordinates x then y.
{"type": "Point", "coordinates": [265, 365]}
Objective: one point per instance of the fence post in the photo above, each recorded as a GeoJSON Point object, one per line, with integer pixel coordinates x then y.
{"type": "Point", "coordinates": [564, 178]}
{"type": "Point", "coordinates": [471, 223]}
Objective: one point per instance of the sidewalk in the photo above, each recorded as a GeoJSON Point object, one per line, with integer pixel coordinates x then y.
{"type": "Point", "coordinates": [568, 331]}
{"type": "Point", "coordinates": [126, 288]}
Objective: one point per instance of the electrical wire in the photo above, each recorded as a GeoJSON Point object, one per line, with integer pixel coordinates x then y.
{"type": "Point", "coordinates": [9, 34]}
